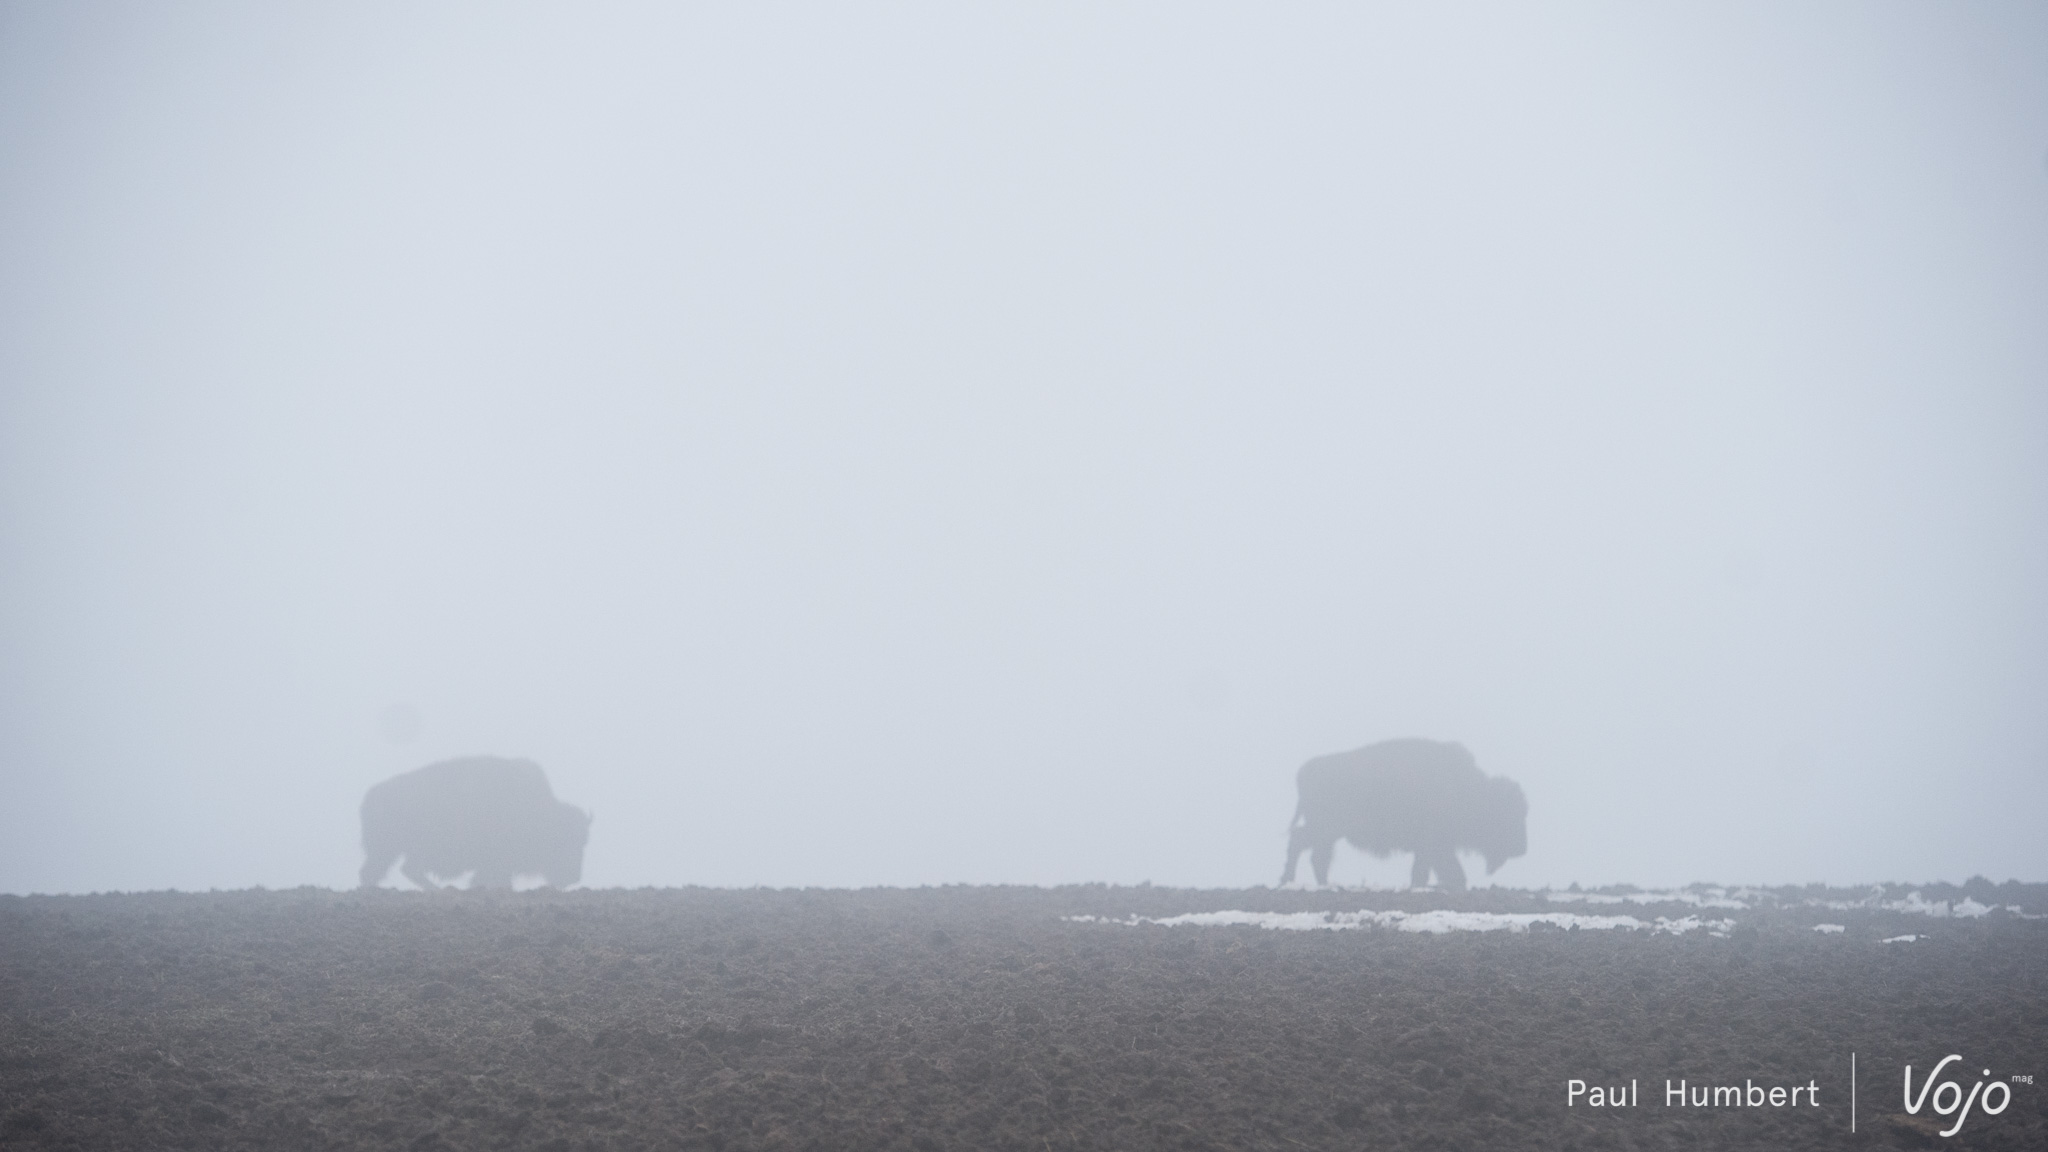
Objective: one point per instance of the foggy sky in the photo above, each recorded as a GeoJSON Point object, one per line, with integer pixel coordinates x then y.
{"type": "Point", "coordinates": [918, 444]}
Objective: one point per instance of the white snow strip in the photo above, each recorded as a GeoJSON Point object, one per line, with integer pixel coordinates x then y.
{"type": "Point", "coordinates": [1830, 929]}
{"type": "Point", "coordinates": [1435, 922]}
{"type": "Point", "coordinates": [1443, 920]}
{"type": "Point", "coordinates": [1688, 923]}
{"type": "Point", "coordinates": [1913, 903]}
{"type": "Point", "coordinates": [1874, 900]}
{"type": "Point", "coordinates": [1900, 939]}
{"type": "Point", "coordinates": [1712, 898]}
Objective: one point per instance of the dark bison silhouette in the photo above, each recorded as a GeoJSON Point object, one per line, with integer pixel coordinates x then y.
{"type": "Point", "coordinates": [1422, 796]}
{"type": "Point", "coordinates": [494, 817]}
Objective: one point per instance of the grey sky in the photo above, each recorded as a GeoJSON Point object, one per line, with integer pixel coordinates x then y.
{"type": "Point", "coordinates": [921, 444]}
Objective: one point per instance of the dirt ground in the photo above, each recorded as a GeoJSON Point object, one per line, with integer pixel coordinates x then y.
{"type": "Point", "coordinates": [967, 1018]}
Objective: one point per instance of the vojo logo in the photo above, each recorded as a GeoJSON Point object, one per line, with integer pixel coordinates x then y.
{"type": "Point", "coordinates": [1948, 1095]}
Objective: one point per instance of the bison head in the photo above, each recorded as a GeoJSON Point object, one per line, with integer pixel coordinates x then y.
{"type": "Point", "coordinates": [1501, 829]}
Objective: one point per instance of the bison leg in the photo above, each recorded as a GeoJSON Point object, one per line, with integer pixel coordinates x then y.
{"type": "Point", "coordinates": [1450, 874]}
{"type": "Point", "coordinates": [493, 877]}
{"type": "Point", "coordinates": [417, 873]}
{"type": "Point", "coordinates": [376, 865]}
{"type": "Point", "coordinates": [1319, 846]}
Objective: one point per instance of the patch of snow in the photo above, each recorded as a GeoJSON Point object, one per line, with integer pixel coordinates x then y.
{"type": "Point", "coordinates": [1914, 902]}
{"type": "Point", "coordinates": [1830, 929]}
{"type": "Point", "coordinates": [1686, 924]}
{"type": "Point", "coordinates": [1434, 922]}
{"type": "Point", "coordinates": [1874, 900]}
{"type": "Point", "coordinates": [1711, 898]}
{"type": "Point", "coordinates": [1440, 921]}
{"type": "Point", "coordinates": [1900, 939]}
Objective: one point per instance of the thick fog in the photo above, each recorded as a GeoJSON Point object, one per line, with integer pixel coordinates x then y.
{"type": "Point", "coordinates": [919, 444]}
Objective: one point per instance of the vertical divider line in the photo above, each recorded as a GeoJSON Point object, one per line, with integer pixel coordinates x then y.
{"type": "Point", "coordinates": [1852, 1092]}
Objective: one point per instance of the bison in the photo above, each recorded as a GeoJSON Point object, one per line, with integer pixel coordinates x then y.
{"type": "Point", "coordinates": [486, 815]}
{"type": "Point", "coordinates": [1422, 796]}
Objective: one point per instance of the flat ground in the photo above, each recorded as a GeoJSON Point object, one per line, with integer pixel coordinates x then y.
{"type": "Point", "coordinates": [964, 1018]}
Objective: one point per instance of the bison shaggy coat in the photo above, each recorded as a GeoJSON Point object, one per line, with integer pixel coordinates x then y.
{"type": "Point", "coordinates": [486, 815]}
{"type": "Point", "coordinates": [1422, 796]}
